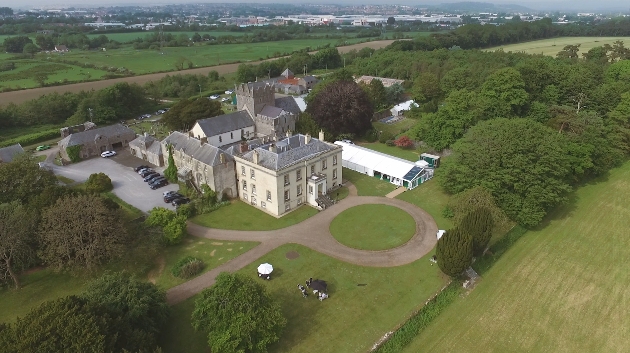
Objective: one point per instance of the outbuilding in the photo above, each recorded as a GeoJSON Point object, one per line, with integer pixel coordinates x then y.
{"type": "Point", "coordinates": [395, 170]}
{"type": "Point", "coordinates": [400, 108]}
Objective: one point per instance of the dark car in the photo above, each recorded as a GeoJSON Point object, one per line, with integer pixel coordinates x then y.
{"type": "Point", "coordinates": [156, 180]}
{"type": "Point", "coordinates": [151, 176]}
{"type": "Point", "coordinates": [140, 167]}
{"type": "Point", "coordinates": [158, 184]}
{"type": "Point", "coordinates": [170, 197]}
{"type": "Point", "coordinates": [146, 172]}
{"type": "Point", "coordinates": [180, 201]}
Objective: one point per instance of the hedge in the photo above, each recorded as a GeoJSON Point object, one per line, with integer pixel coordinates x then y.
{"type": "Point", "coordinates": [32, 139]}
{"type": "Point", "coordinates": [187, 267]}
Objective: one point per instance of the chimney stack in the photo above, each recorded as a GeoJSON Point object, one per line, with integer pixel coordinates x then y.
{"type": "Point", "coordinates": [307, 138]}
{"type": "Point", "coordinates": [289, 133]}
{"type": "Point", "coordinates": [221, 158]}
{"type": "Point", "coordinates": [255, 157]}
{"type": "Point", "coordinates": [190, 134]}
{"type": "Point", "coordinates": [243, 147]}
{"type": "Point", "coordinates": [204, 140]}
{"type": "Point", "coordinates": [273, 148]}
{"type": "Point", "coordinates": [321, 135]}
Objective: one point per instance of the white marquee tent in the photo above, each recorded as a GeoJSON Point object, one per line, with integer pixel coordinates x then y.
{"type": "Point", "coordinates": [383, 166]}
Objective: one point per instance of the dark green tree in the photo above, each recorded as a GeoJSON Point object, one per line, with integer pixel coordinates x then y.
{"type": "Point", "coordinates": [503, 94]}
{"type": "Point", "coordinates": [17, 250]}
{"type": "Point", "coordinates": [454, 252]}
{"type": "Point", "coordinates": [378, 94]}
{"type": "Point", "coordinates": [478, 223]}
{"type": "Point", "coordinates": [16, 44]}
{"type": "Point", "coordinates": [391, 20]}
{"type": "Point", "coordinates": [238, 315]}
{"type": "Point", "coordinates": [30, 49]}
{"type": "Point", "coordinates": [171, 170]}
{"type": "Point", "coordinates": [184, 114]}
{"type": "Point", "coordinates": [98, 183]}
{"type": "Point", "coordinates": [22, 180]}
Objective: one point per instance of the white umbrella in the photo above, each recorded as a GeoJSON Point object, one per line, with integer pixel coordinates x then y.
{"type": "Point", "coordinates": [265, 269]}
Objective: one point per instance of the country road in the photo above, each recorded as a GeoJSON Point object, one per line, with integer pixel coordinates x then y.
{"type": "Point", "coordinates": [18, 97]}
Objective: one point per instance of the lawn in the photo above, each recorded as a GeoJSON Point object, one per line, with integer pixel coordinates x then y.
{"type": "Point", "coordinates": [241, 216]}
{"type": "Point", "coordinates": [561, 288]}
{"type": "Point", "coordinates": [394, 129]}
{"type": "Point", "coordinates": [367, 185]}
{"type": "Point", "coordinates": [373, 227]}
{"type": "Point", "coordinates": [23, 76]}
{"type": "Point", "coordinates": [430, 197]}
{"type": "Point", "coordinates": [364, 303]}
{"type": "Point", "coordinates": [127, 37]}
{"type": "Point", "coordinates": [552, 46]}
{"type": "Point", "coordinates": [213, 253]}
{"type": "Point", "coordinates": [408, 154]}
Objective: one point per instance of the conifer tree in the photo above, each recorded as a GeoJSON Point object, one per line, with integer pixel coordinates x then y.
{"type": "Point", "coordinates": [478, 223]}
{"type": "Point", "coordinates": [454, 252]}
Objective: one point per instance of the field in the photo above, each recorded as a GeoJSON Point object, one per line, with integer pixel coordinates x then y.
{"type": "Point", "coordinates": [552, 46]}
{"type": "Point", "coordinates": [127, 37]}
{"type": "Point", "coordinates": [561, 288]}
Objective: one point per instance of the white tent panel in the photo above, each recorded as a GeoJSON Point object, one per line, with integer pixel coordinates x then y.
{"type": "Point", "coordinates": [367, 161]}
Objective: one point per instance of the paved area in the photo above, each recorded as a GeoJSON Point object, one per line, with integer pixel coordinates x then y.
{"type": "Point", "coordinates": [128, 185]}
{"type": "Point", "coordinates": [314, 234]}
{"type": "Point", "coordinates": [396, 192]}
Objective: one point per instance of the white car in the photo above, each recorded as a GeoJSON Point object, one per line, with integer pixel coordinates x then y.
{"type": "Point", "coordinates": [108, 154]}
{"type": "Point", "coordinates": [214, 96]}
{"type": "Point", "coordinates": [229, 91]}
{"type": "Point", "coordinates": [225, 99]}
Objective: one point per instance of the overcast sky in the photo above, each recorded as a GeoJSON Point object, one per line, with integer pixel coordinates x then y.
{"type": "Point", "coordinates": [577, 5]}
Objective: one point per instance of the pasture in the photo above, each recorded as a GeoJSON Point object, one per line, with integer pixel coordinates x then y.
{"type": "Point", "coordinates": [128, 37]}
{"type": "Point", "coordinates": [560, 288]}
{"type": "Point", "coordinates": [552, 46]}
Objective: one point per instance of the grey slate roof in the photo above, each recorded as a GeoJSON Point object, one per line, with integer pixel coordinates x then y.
{"type": "Point", "coordinates": [287, 73]}
{"type": "Point", "coordinates": [80, 138]}
{"type": "Point", "coordinates": [148, 143]}
{"type": "Point", "coordinates": [288, 104]}
{"type": "Point", "coordinates": [270, 111]}
{"type": "Point", "coordinates": [8, 153]}
{"type": "Point", "coordinates": [226, 123]}
{"type": "Point", "coordinates": [290, 151]}
{"type": "Point", "coordinates": [192, 147]}
{"type": "Point", "coordinates": [259, 84]}
{"type": "Point", "coordinates": [309, 79]}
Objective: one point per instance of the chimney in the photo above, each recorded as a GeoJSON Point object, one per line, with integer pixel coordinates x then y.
{"type": "Point", "coordinates": [204, 140]}
{"type": "Point", "coordinates": [321, 135]}
{"type": "Point", "coordinates": [255, 157]}
{"type": "Point", "coordinates": [307, 138]}
{"type": "Point", "coordinates": [273, 148]}
{"type": "Point", "coordinates": [289, 133]}
{"type": "Point", "coordinates": [221, 158]}
{"type": "Point", "coordinates": [243, 147]}
{"type": "Point", "coordinates": [190, 134]}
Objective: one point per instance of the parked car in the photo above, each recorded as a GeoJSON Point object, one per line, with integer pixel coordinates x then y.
{"type": "Point", "coordinates": [180, 201]}
{"type": "Point", "coordinates": [42, 148]}
{"type": "Point", "coordinates": [140, 167]}
{"type": "Point", "coordinates": [229, 91]}
{"type": "Point", "coordinates": [161, 111]}
{"type": "Point", "coordinates": [155, 180]}
{"type": "Point", "coordinates": [143, 169]}
{"type": "Point", "coordinates": [146, 172]}
{"type": "Point", "coordinates": [225, 99]}
{"type": "Point", "coordinates": [166, 193]}
{"type": "Point", "coordinates": [170, 197]}
{"type": "Point", "coordinates": [348, 141]}
{"type": "Point", "coordinates": [151, 176]}
{"type": "Point", "coordinates": [214, 96]}
{"type": "Point", "coordinates": [158, 184]}
{"type": "Point", "coordinates": [107, 154]}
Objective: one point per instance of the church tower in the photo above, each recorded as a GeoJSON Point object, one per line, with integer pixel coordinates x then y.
{"type": "Point", "coordinates": [254, 96]}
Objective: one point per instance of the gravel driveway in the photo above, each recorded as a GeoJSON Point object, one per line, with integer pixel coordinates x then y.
{"type": "Point", "coordinates": [128, 185]}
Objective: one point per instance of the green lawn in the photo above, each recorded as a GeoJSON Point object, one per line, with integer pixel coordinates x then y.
{"type": "Point", "coordinates": [65, 180]}
{"type": "Point", "coordinates": [430, 197]}
{"type": "Point", "coordinates": [373, 227]}
{"type": "Point", "coordinates": [561, 288]}
{"type": "Point", "coordinates": [552, 46]}
{"type": "Point", "coordinates": [367, 185]}
{"type": "Point", "coordinates": [340, 193]}
{"type": "Point", "coordinates": [408, 154]}
{"type": "Point", "coordinates": [241, 216]}
{"type": "Point", "coordinates": [212, 252]}
{"type": "Point", "coordinates": [127, 37]}
{"type": "Point", "coordinates": [364, 303]}
{"type": "Point", "coordinates": [394, 129]}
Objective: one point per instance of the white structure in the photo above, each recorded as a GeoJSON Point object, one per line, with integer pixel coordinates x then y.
{"type": "Point", "coordinates": [398, 109]}
{"type": "Point", "coordinates": [397, 171]}
{"type": "Point", "coordinates": [225, 129]}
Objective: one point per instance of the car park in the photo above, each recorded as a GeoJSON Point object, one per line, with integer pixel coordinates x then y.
{"type": "Point", "coordinates": [170, 197]}
{"type": "Point", "coordinates": [151, 176]}
{"type": "Point", "coordinates": [140, 167]}
{"type": "Point", "coordinates": [158, 184]}
{"type": "Point", "coordinates": [180, 201]}
{"type": "Point", "coordinates": [214, 96]}
{"type": "Point", "coordinates": [42, 148]}
{"type": "Point", "coordinates": [225, 99]}
{"type": "Point", "coordinates": [166, 193]}
{"type": "Point", "coordinates": [141, 170]}
{"type": "Point", "coordinates": [229, 91]}
{"type": "Point", "coordinates": [146, 172]}
{"type": "Point", "coordinates": [107, 154]}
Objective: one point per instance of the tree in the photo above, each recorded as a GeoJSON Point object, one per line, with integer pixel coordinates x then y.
{"type": "Point", "coordinates": [41, 78]}
{"type": "Point", "coordinates": [16, 44]}
{"type": "Point", "coordinates": [391, 20]}
{"type": "Point", "coordinates": [306, 125]}
{"type": "Point", "coordinates": [184, 114]}
{"type": "Point", "coordinates": [460, 205]}
{"type": "Point", "coordinates": [30, 49]}
{"type": "Point", "coordinates": [454, 252]}
{"type": "Point", "coordinates": [22, 180]}
{"type": "Point", "coordinates": [569, 52]}
{"type": "Point", "coordinates": [426, 87]}
{"type": "Point", "coordinates": [503, 94]}
{"type": "Point", "coordinates": [173, 225]}
{"type": "Point", "coordinates": [478, 223]}
{"type": "Point", "coordinates": [98, 183]}
{"type": "Point", "coordinates": [139, 308]}
{"type": "Point", "coordinates": [171, 170]}
{"type": "Point", "coordinates": [17, 225]}
{"type": "Point", "coordinates": [328, 58]}
{"type": "Point", "coordinates": [342, 107]}
{"type": "Point", "coordinates": [196, 37]}
{"type": "Point", "coordinates": [213, 75]}
{"type": "Point", "coordinates": [81, 232]}
{"type": "Point", "coordinates": [378, 94]}
{"type": "Point", "coordinates": [522, 162]}
{"type": "Point", "coordinates": [238, 315]}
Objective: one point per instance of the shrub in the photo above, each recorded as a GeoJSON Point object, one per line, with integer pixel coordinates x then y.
{"type": "Point", "coordinates": [371, 136]}
{"type": "Point", "coordinates": [390, 143]}
{"type": "Point", "coordinates": [98, 183]}
{"type": "Point", "coordinates": [187, 267]}
{"type": "Point", "coordinates": [74, 153]}
{"type": "Point", "coordinates": [346, 136]}
{"type": "Point", "coordinates": [187, 210]}
{"type": "Point", "coordinates": [404, 142]}
{"type": "Point", "coordinates": [385, 136]}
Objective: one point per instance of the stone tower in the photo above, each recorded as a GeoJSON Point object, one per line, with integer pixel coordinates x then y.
{"type": "Point", "coordinates": [254, 96]}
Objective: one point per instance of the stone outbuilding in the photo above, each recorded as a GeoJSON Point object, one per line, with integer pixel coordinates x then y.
{"type": "Point", "coordinates": [147, 148]}
{"type": "Point", "coordinates": [8, 153]}
{"type": "Point", "coordinates": [96, 141]}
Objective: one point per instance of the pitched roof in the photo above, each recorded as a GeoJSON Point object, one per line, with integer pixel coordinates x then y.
{"type": "Point", "coordinates": [8, 153]}
{"type": "Point", "coordinates": [192, 147]}
{"type": "Point", "coordinates": [287, 73]}
{"type": "Point", "coordinates": [309, 79]}
{"type": "Point", "coordinates": [270, 111]}
{"type": "Point", "coordinates": [288, 104]}
{"type": "Point", "coordinates": [148, 143]}
{"type": "Point", "coordinates": [80, 138]}
{"type": "Point", "coordinates": [226, 123]}
{"type": "Point", "coordinates": [289, 151]}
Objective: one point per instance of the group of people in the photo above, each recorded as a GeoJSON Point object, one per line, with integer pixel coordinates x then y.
{"type": "Point", "coordinates": [267, 276]}
{"type": "Point", "coordinates": [321, 295]}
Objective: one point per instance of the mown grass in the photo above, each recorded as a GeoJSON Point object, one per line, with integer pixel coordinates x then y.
{"type": "Point", "coordinates": [552, 46]}
{"type": "Point", "coordinates": [367, 185]}
{"type": "Point", "coordinates": [364, 303]}
{"type": "Point", "coordinates": [430, 197]}
{"type": "Point", "coordinates": [373, 227]}
{"type": "Point", "coordinates": [408, 154]}
{"type": "Point", "coordinates": [241, 216]}
{"type": "Point", "coordinates": [394, 129]}
{"type": "Point", "coordinates": [560, 288]}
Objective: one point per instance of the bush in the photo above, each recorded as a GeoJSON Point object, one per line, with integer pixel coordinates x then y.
{"type": "Point", "coordinates": [385, 136]}
{"type": "Point", "coordinates": [390, 143]}
{"type": "Point", "coordinates": [98, 183]}
{"type": "Point", "coordinates": [348, 136]}
{"type": "Point", "coordinates": [74, 153]}
{"type": "Point", "coordinates": [404, 142]}
{"type": "Point", "coordinates": [187, 267]}
{"type": "Point", "coordinates": [187, 210]}
{"type": "Point", "coordinates": [371, 136]}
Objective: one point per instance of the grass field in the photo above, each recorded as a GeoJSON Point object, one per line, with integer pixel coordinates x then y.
{"type": "Point", "coordinates": [367, 185]}
{"type": "Point", "coordinates": [552, 46]}
{"type": "Point", "coordinates": [408, 154]}
{"type": "Point", "coordinates": [250, 218]}
{"type": "Point", "coordinates": [394, 129]}
{"type": "Point", "coordinates": [127, 37]}
{"type": "Point", "coordinates": [561, 288]}
{"type": "Point", "coordinates": [364, 303]}
{"type": "Point", "coordinates": [373, 227]}
{"type": "Point", "coordinates": [430, 197]}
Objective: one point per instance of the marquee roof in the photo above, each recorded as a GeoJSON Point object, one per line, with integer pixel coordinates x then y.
{"type": "Point", "coordinates": [379, 162]}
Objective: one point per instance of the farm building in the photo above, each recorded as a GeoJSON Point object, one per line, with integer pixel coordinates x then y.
{"type": "Point", "coordinates": [8, 153]}
{"type": "Point", "coordinates": [383, 166]}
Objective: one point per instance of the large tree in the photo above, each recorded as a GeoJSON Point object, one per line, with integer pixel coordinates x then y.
{"type": "Point", "coordinates": [460, 205]}
{"type": "Point", "coordinates": [81, 232]}
{"type": "Point", "coordinates": [238, 315]}
{"type": "Point", "coordinates": [17, 226]}
{"type": "Point", "coordinates": [184, 114]}
{"type": "Point", "coordinates": [478, 223]}
{"type": "Point", "coordinates": [22, 180]}
{"type": "Point", "coordinates": [522, 162]}
{"type": "Point", "coordinates": [503, 94]}
{"type": "Point", "coordinates": [342, 107]}
{"type": "Point", "coordinates": [454, 252]}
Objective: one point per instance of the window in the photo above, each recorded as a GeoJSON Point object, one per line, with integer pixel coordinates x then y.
{"type": "Point", "coordinates": [252, 173]}
{"type": "Point", "coordinates": [334, 160]}
{"type": "Point", "coordinates": [287, 195]}
{"type": "Point", "coordinates": [253, 200]}
{"type": "Point", "coordinates": [263, 204]}
{"type": "Point", "coordinates": [299, 190]}
{"type": "Point", "coordinates": [324, 164]}
{"type": "Point", "coordinates": [245, 197]}
{"type": "Point", "coordinates": [312, 169]}
{"type": "Point", "coordinates": [299, 201]}
{"type": "Point", "coordinates": [220, 139]}
{"type": "Point", "coordinates": [286, 179]}
{"type": "Point", "coordinates": [334, 173]}
{"type": "Point", "coordinates": [298, 174]}
{"type": "Point", "coordinates": [231, 135]}
{"type": "Point", "coordinates": [310, 189]}
{"type": "Point", "coordinates": [244, 185]}
{"type": "Point", "coordinates": [253, 189]}
{"type": "Point", "coordinates": [268, 195]}
{"type": "Point", "coordinates": [287, 207]}
{"type": "Point", "coordinates": [242, 170]}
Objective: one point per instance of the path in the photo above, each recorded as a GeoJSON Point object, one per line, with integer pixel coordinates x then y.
{"type": "Point", "coordinates": [396, 192]}
{"type": "Point", "coordinates": [21, 96]}
{"type": "Point", "coordinates": [314, 233]}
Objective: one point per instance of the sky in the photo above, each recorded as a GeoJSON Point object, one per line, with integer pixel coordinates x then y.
{"type": "Point", "coordinates": [576, 5]}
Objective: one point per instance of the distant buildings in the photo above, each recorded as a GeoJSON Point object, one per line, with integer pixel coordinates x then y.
{"type": "Point", "coordinates": [7, 154]}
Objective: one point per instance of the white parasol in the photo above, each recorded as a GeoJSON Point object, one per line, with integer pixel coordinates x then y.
{"type": "Point", "coordinates": [265, 269]}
